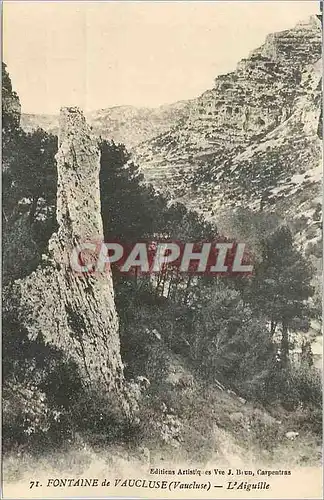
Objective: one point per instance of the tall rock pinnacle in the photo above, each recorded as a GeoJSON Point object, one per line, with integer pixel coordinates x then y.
{"type": "Point", "coordinates": [74, 312]}
{"type": "Point", "coordinates": [78, 164]}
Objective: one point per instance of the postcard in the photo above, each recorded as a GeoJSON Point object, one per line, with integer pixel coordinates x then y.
{"type": "Point", "coordinates": [162, 249]}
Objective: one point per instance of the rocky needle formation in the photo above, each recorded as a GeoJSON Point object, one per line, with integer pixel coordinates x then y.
{"type": "Point", "coordinates": [75, 312]}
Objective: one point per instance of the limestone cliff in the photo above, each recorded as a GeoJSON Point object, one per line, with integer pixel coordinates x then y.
{"type": "Point", "coordinates": [240, 110]}
{"type": "Point", "coordinates": [74, 312]}
{"type": "Point", "coordinates": [253, 139]}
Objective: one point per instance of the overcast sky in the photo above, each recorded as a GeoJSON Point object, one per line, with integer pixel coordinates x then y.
{"type": "Point", "coordinates": [95, 54]}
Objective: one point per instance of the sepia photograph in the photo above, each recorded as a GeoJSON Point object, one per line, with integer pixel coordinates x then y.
{"type": "Point", "coordinates": [162, 249]}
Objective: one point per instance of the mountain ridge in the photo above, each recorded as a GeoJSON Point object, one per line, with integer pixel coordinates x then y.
{"type": "Point", "coordinates": [125, 124]}
{"type": "Point", "coordinates": [248, 138]}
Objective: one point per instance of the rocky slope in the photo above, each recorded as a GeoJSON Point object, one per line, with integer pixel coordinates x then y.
{"type": "Point", "coordinates": [126, 124]}
{"type": "Point", "coordinates": [76, 313]}
{"type": "Point", "coordinates": [252, 140]}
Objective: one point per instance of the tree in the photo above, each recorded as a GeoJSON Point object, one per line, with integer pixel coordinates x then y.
{"type": "Point", "coordinates": [29, 188]}
{"type": "Point", "coordinates": [31, 174]}
{"type": "Point", "coordinates": [130, 210]}
{"type": "Point", "coordinates": [281, 286]}
{"type": "Point", "coordinates": [10, 108]}
{"type": "Point", "coordinates": [29, 200]}
{"type": "Point", "coordinates": [227, 341]}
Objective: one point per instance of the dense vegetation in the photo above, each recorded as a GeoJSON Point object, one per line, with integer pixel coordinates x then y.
{"type": "Point", "coordinates": [235, 332]}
